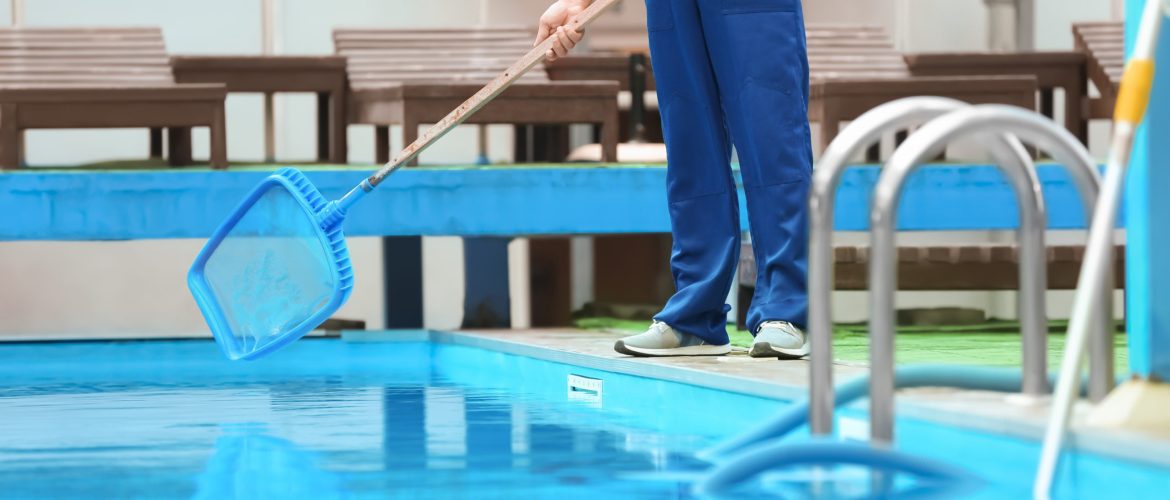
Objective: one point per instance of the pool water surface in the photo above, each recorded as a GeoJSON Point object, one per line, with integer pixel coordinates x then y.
{"type": "Point", "coordinates": [331, 419]}
{"type": "Point", "coordinates": [326, 418]}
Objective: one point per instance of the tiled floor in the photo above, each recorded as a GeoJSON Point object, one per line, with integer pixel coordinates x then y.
{"type": "Point", "coordinates": [737, 364]}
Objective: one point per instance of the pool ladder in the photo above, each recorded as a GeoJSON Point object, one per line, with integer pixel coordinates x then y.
{"type": "Point", "coordinates": [948, 120]}
{"type": "Point", "coordinates": [942, 121]}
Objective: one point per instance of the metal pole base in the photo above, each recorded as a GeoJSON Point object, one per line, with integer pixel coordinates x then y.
{"type": "Point", "coordinates": [1136, 405]}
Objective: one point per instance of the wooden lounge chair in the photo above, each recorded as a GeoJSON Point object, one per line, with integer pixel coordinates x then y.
{"type": "Point", "coordinates": [596, 67]}
{"type": "Point", "coordinates": [414, 77]}
{"type": "Point", "coordinates": [856, 68]}
{"type": "Point", "coordinates": [968, 267]}
{"type": "Point", "coordinates": [269, 74]}
{"type": "Point", "coordinates": [101, 78]}
{"type": "Point", "coordinates": [1103, 44]}
{"type": "Point", "coordinates": [1052, 70]}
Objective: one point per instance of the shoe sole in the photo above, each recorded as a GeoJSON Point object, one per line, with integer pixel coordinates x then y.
{"type": "Point", "coordinates": [695, 350]}
{"type": "Point", "coordinates": [767, 350]}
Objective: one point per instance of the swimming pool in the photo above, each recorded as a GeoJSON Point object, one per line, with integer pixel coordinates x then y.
{"type": "Point", "coordinates": [328, 418]}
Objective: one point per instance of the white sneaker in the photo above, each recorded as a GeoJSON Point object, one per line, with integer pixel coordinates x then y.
{"type": "Point", "coordinates": [779, 339]}
{"type": "Point", "coordinates": [662, 340]}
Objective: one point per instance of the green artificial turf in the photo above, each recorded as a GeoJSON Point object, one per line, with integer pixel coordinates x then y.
{"type": "Point", "coordinates": [995, 343]}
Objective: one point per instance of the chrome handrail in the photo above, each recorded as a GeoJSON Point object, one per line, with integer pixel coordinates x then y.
{"type": "Point", "coordinates": [860, 134]}
{"type": "Point", "coordinates": [919, 148]}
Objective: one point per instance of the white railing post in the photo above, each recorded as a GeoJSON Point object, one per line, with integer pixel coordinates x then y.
{"type": "Point", "coordinates": [268, 47]}
{"type": "Point", "coordinates": [17, 12]}
{"type": "Point", "coordinates": [1002, 29]}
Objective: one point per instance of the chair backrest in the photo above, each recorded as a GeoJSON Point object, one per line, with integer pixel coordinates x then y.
{"type": "Point", "coordinates": [83, 56]}
{"type": "Point", "coordinates": [378, 56]}
{"type": "Point", "coordinates": [852, 51]}
{"type": "Point", "coordinates": [1104, 45]}
{"type": "Point", "coordinates": [441, 55]}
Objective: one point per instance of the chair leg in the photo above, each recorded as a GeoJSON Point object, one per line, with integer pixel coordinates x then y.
{"type": "Point", "coordinates": [218, 129]}
{"type": "Point", "coordinates": [323, 127]}
{"type": "Point", "coordinates": [609, 138]}
{"type": "Point", "coordinates": [830, 126]}
{"type": "Point", "coordinates": [179, 146]}
{"type": "Point", "coordinates": [381, 144]}
{"type": "Point", "coordinates": [1048, 102]}
{"type": "Point", "coordinates": [900, 137]}
{"type": "Point", "coordinates": [9, 138]}
{"type": "Point", "coordinates": [156, 143]}
{"type": "Point", "coordinates": [409, 135]}
{"type": "Point", "coordinates": [338, 131]}
{"type": "Point", "coordinates": [1074, 112]}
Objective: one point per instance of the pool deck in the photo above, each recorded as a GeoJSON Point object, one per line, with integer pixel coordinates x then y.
{"type": "Point", "coordinates": [1003, 414]}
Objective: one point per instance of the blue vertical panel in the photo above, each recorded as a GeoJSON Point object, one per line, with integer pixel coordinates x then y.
{"type": "Point", "coordinates": [486, 300]}
{"type": "Point", "coordinates": [1148, 235]}
{"type": "Point", "coordinates": [403, 282]}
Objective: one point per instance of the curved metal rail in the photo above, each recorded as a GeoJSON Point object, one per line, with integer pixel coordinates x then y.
{"type": "Point", "coordinates": [919, 148]}
{"type": "Point", "coordinates": [860, 134]}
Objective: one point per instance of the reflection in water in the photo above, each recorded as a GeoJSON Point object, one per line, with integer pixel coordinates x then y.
{"type": "Point", "coordinates": [333, 439]}
{"type": "Point", "coordinates": [450, 439]}
{"type": "Point", "coordinates": [404, 440]}
{"type": "Point", "coordinates": [247, 463]}
{"type": "Point", "coordinates": [326, 419]}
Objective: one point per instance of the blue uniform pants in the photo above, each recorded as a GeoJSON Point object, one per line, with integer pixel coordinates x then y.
{"type": "Point", "coordinates": [733, 71]}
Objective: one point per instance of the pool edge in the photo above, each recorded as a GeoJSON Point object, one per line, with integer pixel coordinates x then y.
{"type": "Point", "coordinates": [1147, 450]}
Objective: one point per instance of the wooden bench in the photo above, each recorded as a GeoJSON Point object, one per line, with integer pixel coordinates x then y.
{"type": "Point", "coordinates": [1052, 70]}
{"type": "Point", "coordinates": [415, 77]}
{"type": "Point", "coordinates": [596, 67]}
{"type": "Point", "coordinates": [322, 75]}
{"type": "Point", "coordinates": [53, 78]}
{"type": "Point", "coordinates": [1103, 44]}
{"type": "Point", "coordinates": [856, 68]}
{"type": "Point", "coordinates": [936, 268]}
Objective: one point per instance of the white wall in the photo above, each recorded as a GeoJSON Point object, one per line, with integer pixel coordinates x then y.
{"type": "Point", "coordinates": [941, 26]}
{"type": "Point", "coordinates": [1055, 18]}
{"type": "Point", "coordinates": [119, 288]}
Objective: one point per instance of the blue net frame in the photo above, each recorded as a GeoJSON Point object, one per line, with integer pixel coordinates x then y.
{"type": "Point", "coordinates": [276, 269]}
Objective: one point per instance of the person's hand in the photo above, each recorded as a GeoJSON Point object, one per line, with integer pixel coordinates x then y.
{"type": "Point", "coordinates": [555, 22]}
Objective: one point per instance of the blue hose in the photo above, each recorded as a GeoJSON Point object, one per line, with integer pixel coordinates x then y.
{"type": "Point", "coordinates": [795, 416]}
{"type": "Point", "coordinates": [750, 463]}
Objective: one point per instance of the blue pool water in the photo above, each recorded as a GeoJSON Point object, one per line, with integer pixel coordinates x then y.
{"type": "Point", "coordinates": [331, 419]}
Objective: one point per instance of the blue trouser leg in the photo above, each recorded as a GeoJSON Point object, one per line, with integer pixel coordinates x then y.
{"type": "Point", "coordinates": [733, 70]}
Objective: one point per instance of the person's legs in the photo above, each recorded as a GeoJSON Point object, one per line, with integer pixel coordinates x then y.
{"type": "Point", "coordinates": [759, 55]}
{"type": "Point", "coordinates": [704, 211]}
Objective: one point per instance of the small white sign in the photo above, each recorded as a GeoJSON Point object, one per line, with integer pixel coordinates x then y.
{"type": "Point", "coordinates": [585, 390]}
